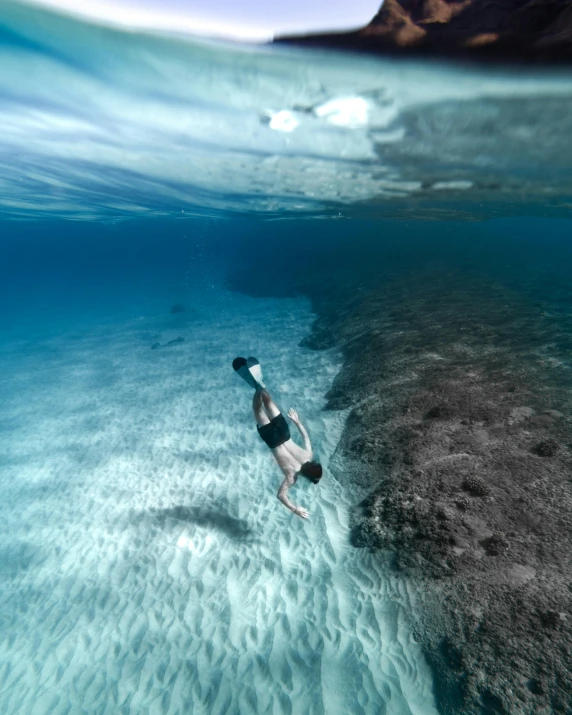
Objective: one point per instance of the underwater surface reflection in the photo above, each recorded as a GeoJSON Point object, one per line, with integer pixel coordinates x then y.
{"type": "Point", "coordinates": [104, 124]}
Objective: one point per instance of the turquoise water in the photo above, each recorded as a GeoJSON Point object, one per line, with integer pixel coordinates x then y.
{"type": "Point", "coordinates": [145, 563]}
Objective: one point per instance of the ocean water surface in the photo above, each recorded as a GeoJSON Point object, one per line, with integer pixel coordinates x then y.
{"type": "Point", "coordinates": [145, 563]}
{"type": "Point", "coordinates": [103, 124]}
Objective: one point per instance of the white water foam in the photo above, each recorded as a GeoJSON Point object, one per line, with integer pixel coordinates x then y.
{"type": "Point", "coordinates": [147, 566]}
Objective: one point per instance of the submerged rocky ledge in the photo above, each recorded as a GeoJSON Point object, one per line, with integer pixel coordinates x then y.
{"type": "Point", "coordinates": [465, 448]}
{"type": "Point", "coordinates": [459, 431]}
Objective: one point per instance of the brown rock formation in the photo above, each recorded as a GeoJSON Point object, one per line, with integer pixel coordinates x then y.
{"type": "Point", "coordinates": [538, 30]}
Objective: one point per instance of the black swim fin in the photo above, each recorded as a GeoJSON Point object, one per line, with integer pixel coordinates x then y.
{"type": "Point", "coordinates": [241, 366]}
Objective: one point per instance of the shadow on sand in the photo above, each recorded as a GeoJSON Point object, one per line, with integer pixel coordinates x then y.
{"type": "Point", "coordinates": [236, 529]}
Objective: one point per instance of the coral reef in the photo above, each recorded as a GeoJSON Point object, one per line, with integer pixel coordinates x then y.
{"type": "Point", "coordinates": [496, 544]}
{"type": "Point", "coordinates": [461, 505]}
{"type": "Point", "coordinates": [458, 436]}
{"type": "Point", "coordinates": [475, 485]}
{"type": "Point", "coordinates": [546, 448]}
{"type": "Point", "coordinates": [466, 455]}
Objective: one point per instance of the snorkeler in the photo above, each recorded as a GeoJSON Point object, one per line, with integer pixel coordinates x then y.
{"type": "Point", "coordinates": [274, 431]}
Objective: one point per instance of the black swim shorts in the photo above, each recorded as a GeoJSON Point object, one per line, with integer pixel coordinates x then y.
{"type": "Point", "coordinates": [276, 432]}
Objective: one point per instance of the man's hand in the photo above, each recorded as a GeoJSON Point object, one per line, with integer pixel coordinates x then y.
{"type": "Point", "coordinates": [301, 512]}
{"type": "Point", "coordinates": [293, 415]}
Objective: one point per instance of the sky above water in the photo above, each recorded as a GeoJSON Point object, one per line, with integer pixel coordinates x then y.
{"type": "Point", "coordinates": [251, 20]}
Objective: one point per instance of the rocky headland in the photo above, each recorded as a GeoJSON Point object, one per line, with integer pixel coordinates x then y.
{"type": "Point", "coordinates": [459, 433]}
{"type": "Point", "coordinates": [516, 30]}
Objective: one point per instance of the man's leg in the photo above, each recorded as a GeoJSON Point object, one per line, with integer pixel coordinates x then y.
{"type": "Point", "coordinates": [258, 408]}
{"type": "Point", "coordinates": [272, 409]}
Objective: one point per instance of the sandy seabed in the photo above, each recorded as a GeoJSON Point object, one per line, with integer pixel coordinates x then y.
{"type": "Point", "coordinates": [145, 563]}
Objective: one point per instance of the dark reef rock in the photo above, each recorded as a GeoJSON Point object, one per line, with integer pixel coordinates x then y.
{"type": "Point", "coordinates": [463, 503]}
{"type": "Point", "coordinates": [475, 485]}
{"type": "Point", "coordinates": [475, 29]}
{"type": "Point", "coordinates": [445, 376]}
{"type": "Point", "coordinates": [496, 544]}
{"type": "Point", "coordinates": [551, 619]}
{"type": "Point", "coordinates": [439, 412]}
{"type": "Point", "coordinates": [546, 448]}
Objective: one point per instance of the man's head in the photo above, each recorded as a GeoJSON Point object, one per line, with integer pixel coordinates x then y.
{"type": "Point", "coordinates": [312, 471]}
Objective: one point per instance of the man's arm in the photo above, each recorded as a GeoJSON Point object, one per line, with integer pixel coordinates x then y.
{"type": "Point", "coordinates": [293, 415]}
{"type": "Point", "coordinates": [283, 497]}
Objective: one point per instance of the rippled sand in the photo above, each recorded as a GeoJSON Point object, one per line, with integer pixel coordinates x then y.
{"type": "Point", "coordinates": [146, 565]}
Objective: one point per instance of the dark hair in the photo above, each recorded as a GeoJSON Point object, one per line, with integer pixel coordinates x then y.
{"type": "Point", "coordinates": [312, 471]}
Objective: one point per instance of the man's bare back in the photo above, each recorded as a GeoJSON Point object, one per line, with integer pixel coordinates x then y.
{"type": "Point", "coordinates": [292, 459]}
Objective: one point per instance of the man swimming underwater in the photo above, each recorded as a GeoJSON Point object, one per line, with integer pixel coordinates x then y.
{"type": "Point", "coordinates": [274, 431]}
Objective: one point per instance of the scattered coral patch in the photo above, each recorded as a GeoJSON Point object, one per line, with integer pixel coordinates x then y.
{"type": "Point", "coordinates": [463, 503]}
{"type": "Point", "coordinates": [497, 544]}
{"type": "Point", "coordinates": [476, 486]}
{"type": "Point", "coordinates": [439, 412]}
{"type": "Point", "coordinates": [551, 618]}
{"type": "Point", "coordinates": [546, 448]}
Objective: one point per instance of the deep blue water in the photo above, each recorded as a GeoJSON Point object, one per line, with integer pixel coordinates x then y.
{"type": "Point", "coordinates": [52, 270]}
